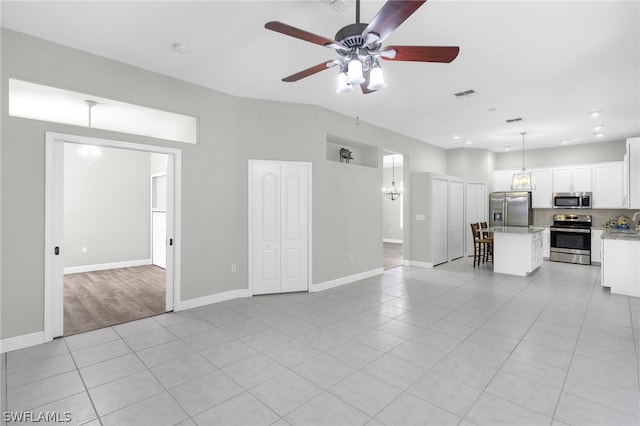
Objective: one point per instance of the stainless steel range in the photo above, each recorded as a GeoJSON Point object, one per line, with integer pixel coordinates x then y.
{"type": "Point", "coordinates": [571, 238]}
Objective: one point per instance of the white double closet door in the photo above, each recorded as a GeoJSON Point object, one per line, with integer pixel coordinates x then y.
{"type": "Point", "coordinates": [279, 226]}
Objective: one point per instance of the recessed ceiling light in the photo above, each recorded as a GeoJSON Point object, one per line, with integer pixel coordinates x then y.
{"type": "Point", "coordinates": [508, 148]}
{"type": "Point", "coordinates": [456, 137]}
{"type": "Point", "coordinates": [599, 134]}
{"type": "Point", "coordinates": [594, 114]}
{"type": "Point", "coordinates": [180, 48]}
{"type": "Point", "coordinates": [492, 109]}
{"type": "Point", "coordinates": [566, 141]}
{"type": "Point", "coordinates": [598, 127]}
{"type": "Point", "coordinates": [468, 143]}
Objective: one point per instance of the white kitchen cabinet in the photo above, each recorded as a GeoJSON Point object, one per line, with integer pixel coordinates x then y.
{"type": "Point", "coordinates": [437, 234]}
{"type": "Point", "coordinates": [621, 266]}
{"type": "Point", "coordinates": [541, 196]}
{"type": "Point", "coordinates": [476, 210]}
{"type": "Point", "coordinates": [608, 185]}
{"type": "Point", "coordinates": [517, 250]}
{"type": "Point", "coordinates": [596, 251]}
{"type": "Point", "coordinates": [632, 177]}
{"type": "Point", "coordinates": [572, 179]}
{"type": "Point", "coordinates": [502, 180]}
{"type": "Point", "coordinates": [546, 243]}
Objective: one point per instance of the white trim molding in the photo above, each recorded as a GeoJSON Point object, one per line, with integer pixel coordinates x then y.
{"type": "Point", "coordinates": [105, 266]}
{"type": "Point", "coordinates": [20, 342]}
{"type": "Point", "coordinates": [391, 240]}
{"type": "Point", "coordinates": [418, 263]}
{"type": "Point", "coordinates": [181, 305]}
{"type": "Point", "coordinates": [345, 280]}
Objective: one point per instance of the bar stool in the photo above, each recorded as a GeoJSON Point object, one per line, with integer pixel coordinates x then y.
{"type": "Point", "coordinates": [480, 245]}
{"type": "Point", "coordinates": [486, 235]}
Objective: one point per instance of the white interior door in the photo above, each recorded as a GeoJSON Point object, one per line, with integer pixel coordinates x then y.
{"type": "Point", "coordinates": [476, 202]}
{"type": "Point", "coordinates": [279, 227]}
{"type": "Point", "coordinates": [159, 239]}
{"type": "Point", "coordinates": [294, 220]}
{"type": "Point", "coordinates": [456, 220]}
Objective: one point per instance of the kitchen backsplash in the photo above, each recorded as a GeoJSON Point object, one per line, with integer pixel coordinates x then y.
{"type": "Point", "coordinates": [544, 217]}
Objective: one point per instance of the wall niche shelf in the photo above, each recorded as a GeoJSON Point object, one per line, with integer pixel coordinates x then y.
{"type": "Point", "coordinates": [363, 154]}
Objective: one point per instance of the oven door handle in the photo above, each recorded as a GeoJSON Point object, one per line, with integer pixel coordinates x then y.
{"type": "Point", "coordinates": [577, 231]}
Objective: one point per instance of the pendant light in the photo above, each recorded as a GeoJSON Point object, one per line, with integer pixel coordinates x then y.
{"type": "Point", "coordinates": [523, 180]}
{"type": "Point", "coordinates": [392, 193]}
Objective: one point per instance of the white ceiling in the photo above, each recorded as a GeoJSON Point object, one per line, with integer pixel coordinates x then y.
{"type": "Point", "coordinates": [549, 62]}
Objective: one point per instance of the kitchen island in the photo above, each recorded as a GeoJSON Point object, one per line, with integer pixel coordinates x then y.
{"type": "Point", "coordinates": [621, 262]}
{"type": "Point", "coordinates": [517, 250]}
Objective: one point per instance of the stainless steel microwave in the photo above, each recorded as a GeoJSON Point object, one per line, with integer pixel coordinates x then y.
{"type": "Point", "coordinates": [572, 200]}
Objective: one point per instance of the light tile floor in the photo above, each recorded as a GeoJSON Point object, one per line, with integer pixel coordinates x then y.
{"type": "Point", "coordinates": [450, 345]}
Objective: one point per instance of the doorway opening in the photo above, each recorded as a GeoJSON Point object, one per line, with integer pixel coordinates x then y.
{"type": "Point", "coordinates": [111, 232]}
{"type": "Point", "coordinates": [392, 211]}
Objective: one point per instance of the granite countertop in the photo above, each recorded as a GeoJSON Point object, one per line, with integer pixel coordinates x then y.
{"type": "Point", "coordinates": [516, 229]}
{"type": "Point", "coordinates": [613, 234]}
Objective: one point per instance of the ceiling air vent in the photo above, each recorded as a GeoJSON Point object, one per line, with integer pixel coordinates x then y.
{"type": "Point", "coordinates": [338, 5]}
{"type": "Point", "coordinates": [513, 120]}
{"type": "Point", "coordinates": [465, 93]}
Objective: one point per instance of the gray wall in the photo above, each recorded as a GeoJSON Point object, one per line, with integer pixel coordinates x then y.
{"type": "Point", "coordinates": [474, 165]}
{"type": "Point", "coordinates": [564, 155]}
{"type": "Point", "coordinates": [347, 204]}
{"type": "Point", "coordinates": [106, 206]}
{"type": "Point", "coordinates": [391, 209]}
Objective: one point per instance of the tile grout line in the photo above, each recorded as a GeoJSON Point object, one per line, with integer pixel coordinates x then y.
{"type": "Point", "coordinates": [510, 353]}
{"type": "Point", "coordinates": [86, 389]}
{"type": "Point", "coordinates": [573, 353]}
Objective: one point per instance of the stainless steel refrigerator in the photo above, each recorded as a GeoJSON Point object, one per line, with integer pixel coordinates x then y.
{"type": "Point", "coordinates": [510, 209]}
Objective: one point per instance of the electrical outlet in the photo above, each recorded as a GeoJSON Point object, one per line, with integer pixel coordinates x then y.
{"type": "Point", "coordinates": [233, 267]}
{"type": "Point", "coordinates": [85, 250]}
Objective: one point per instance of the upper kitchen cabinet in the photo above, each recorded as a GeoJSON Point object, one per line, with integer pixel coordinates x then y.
{"type": "Point", "coordinates": [608, 191]}
{"type": "Point", "coordinates": [541, 196]}
{"type": "Point", "coordinates": [502, 180]}
{"type": "Point", "coordinates": [572, 179]}
{"type": "Point", "coordinates": [632, 172]}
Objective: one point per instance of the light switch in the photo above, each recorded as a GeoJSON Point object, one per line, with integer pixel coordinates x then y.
{"type": "Point", "coordinates": [420, 217]}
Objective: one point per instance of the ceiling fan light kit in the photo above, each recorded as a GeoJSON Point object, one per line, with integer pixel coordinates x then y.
{"type": "Point", "coordinates": [359, 47]}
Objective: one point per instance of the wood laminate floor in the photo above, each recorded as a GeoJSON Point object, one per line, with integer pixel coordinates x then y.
{"type": "Point", "coordinates": [392, 255]}
{"type": "Point", "coordinates": [99, 299]}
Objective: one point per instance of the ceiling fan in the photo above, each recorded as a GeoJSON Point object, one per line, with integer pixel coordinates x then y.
{"type": "Point", "coordinates": [360, 48]}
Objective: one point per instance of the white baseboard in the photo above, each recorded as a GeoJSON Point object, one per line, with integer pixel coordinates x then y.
{"type": "Point", "coordinates": [345, 280]}
{"type": "Point", "coordinates": [419, 264]}
{"type": "Point", "coordinates": [20, 342]}
{"type": "Point", "coordinates": [391, 240]}
{"type": "Point", "coordinates": [208, 300]}
{"type": "Point", "coordinates": [105, 266]}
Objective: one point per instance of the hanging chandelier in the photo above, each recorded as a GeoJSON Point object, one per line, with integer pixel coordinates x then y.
{"type": "Point", "coordinates": [523, 180]}
{"type": "Point", "coordinates": [392, 193]}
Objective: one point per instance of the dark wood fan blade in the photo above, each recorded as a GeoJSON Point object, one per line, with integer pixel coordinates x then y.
{"type": "Point", "coordinates": [298, 33]}
{"type": "Point", "coordinates": [309, 71]}
{"type": "Point", "coordinates": [443, 54]}
{"type": "Point", "coordinates": [392, 14]}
